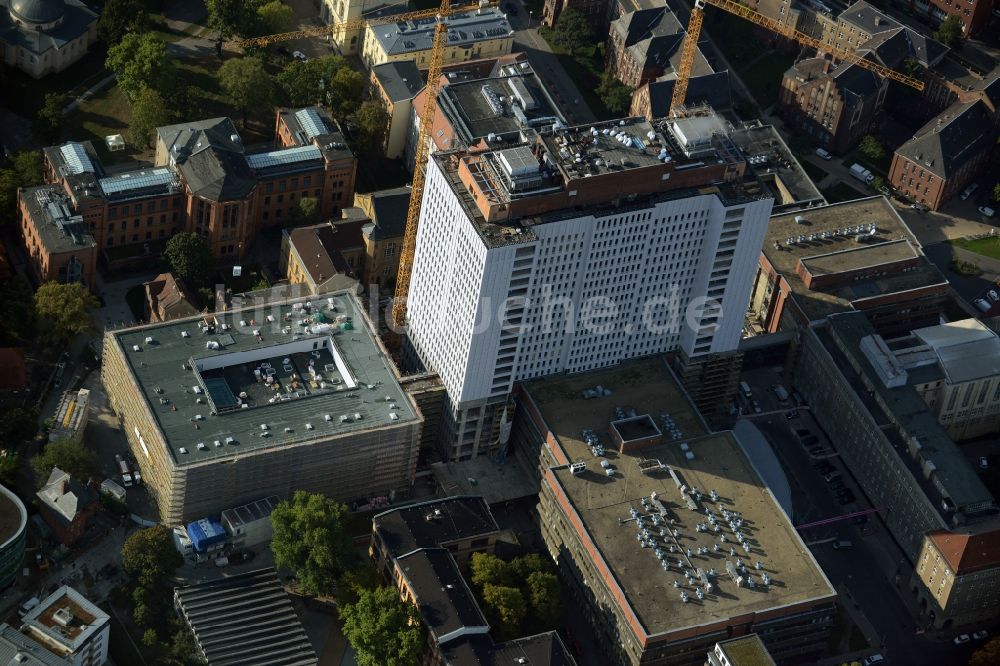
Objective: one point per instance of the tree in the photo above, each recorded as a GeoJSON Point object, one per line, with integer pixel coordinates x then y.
{"type": "Point", "coordinates": [871, 148]}
{"type": "Point", "coordinates": [149, 637]}
{"type": "Point", "coordinates": [18, 425]}
{"type": "Point", "coordinates": [148, 112]}
{"type": "Point", "coordinates": [354, 581]}
{"type": "Point", "coordinates": [950, 32]}
{"type": "Point", "coordinates": [189, 256]}
{"type": "Point", "coordinates": [572, 32]}
{"type": "Point", "coordinates": [490, 570]}
{"type": "Point", "coordinates": [878, 183]}
{"type": "Point", "coordinates": [505, 609]}
{"type": "Point", "coordinates": [74, 459]}
{"type": "Point", "coordinates": [306, 211]}
{"type": "Point", "coordinates": [150, 556]}
{"type": "Point", "coordinates": [247, 84]}
{"type": "Point", "coordinates": [274, 17]}
{"type": "Point", "coordinates": [347, 87]}
{"type": "Point", "coordinates": [617, 96]}
{"type": "Point", "coordinates": [310, 539]}
{"type": "Point", "coordinates": [119, 17]}
{"type": "Point", "coordinates": [17, 312]}
{"type": "Point", "coordinates": [306, 83]}
{"type": "Point", "coordinates": [48, 124]}
{"type": "Point", "coordinates": [543, 590]}
{"type": "Point", "coordinates": [373, 124]}
{"type": "Point", "coordinates": [383, 629]}
{"type": "Point", "coordinates": [996, 192]}
{"type": "Point", "coordinates": [227, 18]}
{"type": "Point", "coordinates": [988, 655]}
{"type": "Point", "coordinates": [26, 170]}
{"type": "Point", "coordinates": [9, 462]}
{"type": "Point", "coordinates": [64, 310]}
{"type": "Point", "coordinates": [141, 61]}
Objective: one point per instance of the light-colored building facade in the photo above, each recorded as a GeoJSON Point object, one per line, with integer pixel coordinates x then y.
{"type": "Point", "coordinates": [957, 577]}
{"type": "Point", "coordinates": [69, 625]}
{"type": "Point", "coordinates": [40, 37]}
{"type": "Point", "coordinates": [515, 243]}
{"type": "Point", "coordinates": [383, 236]}
{"type": "Point", "coordinates": [395, 84]}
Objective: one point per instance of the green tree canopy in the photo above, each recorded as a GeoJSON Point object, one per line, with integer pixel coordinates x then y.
{"type": "Point", "coordinates": [75, 459]}
{"type": "Point", "coordinates": [9, 463]}
{"type": "Point", "coordinates": [119, 17]}
{"type": "Point", "coordinates": [247, 84]}
{"type": "Point", "coordinates": [306, 83]}
{"type": "Point", "coordinates": [543, 590]}
{"type": "Point", "coordinates": [530, 576]}
{"type": "Point", "coordinates": [306, 211]}
{"type": "Point", "coordinates": [189, 256]}
{"type": "Point", "coordinates": [141, 61]}
{"type": "Point", "coordinates": [996, 192]}
{"type": "Point", "coordinates": [64, 310]}
{"type": "Point", "coordinates": [48, 124]}
{"type": "Point", "coordinates": [17, 425]}
{"type": "Point", "coordinates": [149, 111]}
{"type": "Point", "coordinates": [950, 32]}
{"type": "Point", "coordinates": [274, 17]}
{"type": "Point", "coordinates": [25, 170]}
{"type": "Point", "coordinates": [383, 629]}
{"type": "Point", "coordinates": [505, 608]}
{"type": "Point", "coordinates": [871, 148]}
{"type": "Point", "coordinates": [227, 18]}
{"type": "Point", "coordinates": [150, 555]}
{"type": "Point", "coordinates": [310, 539]}
{"type": "Point", "coordinates": [346, 90]}
{"type": "Point", "coordinates": [572, 32]}
{"type": "Point", "coordinates": [490, 570]}
{"type": "Point", "coordinates": [354, 581]}
{"type": "Point", "coordinates": [373, 125]}
{"type": "Point", "coordinates": [617, 96]}
{"type": "Point", "coordinates": [17, 312]}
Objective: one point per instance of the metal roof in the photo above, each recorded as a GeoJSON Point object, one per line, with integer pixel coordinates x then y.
{"type": "Point", "coordinates": [76, 158]}
{"type": "Point", "coordinates": [133, 181]}
{"type": "Point", "coordinates": [245, 620]}
{"type": "Point", "coordinates": [311, 122]}
{"type": "Point", "coordinates": [285, 157]}
{"type": "Point", "coordinates": [967, 349]}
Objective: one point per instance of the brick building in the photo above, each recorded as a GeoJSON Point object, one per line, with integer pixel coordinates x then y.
{"type": "Point", "coordinates": [641, 43]}
{"type": "Point", "coordinates": [66, 505]}
{"type": "Point", "coordinates": [946, 154]}
{"type": "Point", "coordinates": [595, 11]}
{"type": "Point", "coordinates": [974, 14]}
{"type": "Point", "coordinates": [167, 297]}
{"type": "Point", "coordinates": [202, 181]}
{"type": "Point", "coordinates": [834, 105]}
{"type": "Point", "coordinates": [652, 100]}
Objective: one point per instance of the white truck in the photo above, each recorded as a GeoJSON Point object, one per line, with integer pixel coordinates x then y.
{"type": "Point", "coordinates": [123, 468]}
{"type": "Point", "coordinates": [862, 174]}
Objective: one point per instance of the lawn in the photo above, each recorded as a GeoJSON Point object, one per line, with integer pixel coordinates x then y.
{"type": "Point", "coordinates": [841, 192]}
{"type": "Point", "coordinates": [815, 173]}
{"type": "Point", "coordinates": [107, 112]}
{"type": "Point", "coordinates": [988, 247]}
{"type": "Point", "coordinates": [24, 95]}
{"type": "Point", "coordinates": [249, 279]}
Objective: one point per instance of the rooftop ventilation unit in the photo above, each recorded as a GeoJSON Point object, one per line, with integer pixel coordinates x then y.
{"type": "Point", "coordinates": [578, 468]}
{"type": "Point", "coordinates": [201, 446]}
{"type": "Point", "coordinates": [183, 450]}
{"type": "Point", "coordinates": [136, 348]}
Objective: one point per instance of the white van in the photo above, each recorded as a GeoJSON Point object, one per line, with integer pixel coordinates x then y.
{"type": "Point", "coordinates": [820, 152]}
{"type": "Point", "coordinates": [27, 606]}
{"type": "Point", "coordinates": [967, 192]}
{"type": "Point", "coordinates": [745, 390]}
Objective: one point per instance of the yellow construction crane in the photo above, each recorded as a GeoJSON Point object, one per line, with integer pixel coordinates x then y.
{"type": "Point", "coordinates": [689, 48]}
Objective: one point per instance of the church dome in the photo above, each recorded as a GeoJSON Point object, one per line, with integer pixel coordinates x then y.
{"type": "Point", "coordinates": [37, 11]}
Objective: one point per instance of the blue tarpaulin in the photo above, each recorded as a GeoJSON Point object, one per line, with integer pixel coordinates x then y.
{"type": "Point", "coordinates": [205, 533]}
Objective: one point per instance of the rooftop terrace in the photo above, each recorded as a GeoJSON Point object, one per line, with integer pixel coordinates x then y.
{"type": "Point", "coordinates": [252, 379]}
{"type": "Point", "coordinates": [661, 540]}
{"type": "Point", "coordinates": [842, 237]}
{"type": "Point", "coordinates": [66, 617]}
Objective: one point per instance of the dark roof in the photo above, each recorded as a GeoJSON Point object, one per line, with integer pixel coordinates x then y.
{"type": "Point", "coordinates": [401, 80]}
{"type": "Point", "coordinates": [209, 156]}
{"type": "Point", "coordinates": [320, 247]}
{"type": "Point", "coordinates": [59, 227]}
{"type": "Point", "coordinates": [444, 600]}
{"type": "Point", "coordinates": [539, 650]}
{"type": "Point", "coordinates": [76, 20]}
{"type": "Point", "coordinates": [15, 372]}
{"type": "Point", "coordinates": [645, 23]}
{"type": "Point", "coordinates": [389, 209]}
{"type": "Point", "coordinates": [856, 83]}
{"type": "Point", "coordinates": [712, 89]}
{"type": "Point", "coordinates": [966, 553]}
{"type": "Point", "coordinates": [313, 125]}
{"type": "Point", "coordinates": [960, 133]}
{"type": "Point", "coordinates": [20, 650]}
{"type": "Point", "coordinates": [245, 620]}
{"type": "Point", "coordinates": [893, 47]}
{"type": "Point", "coordinates": [433, 523]}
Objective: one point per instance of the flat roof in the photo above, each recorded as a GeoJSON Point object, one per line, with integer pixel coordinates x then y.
{"type": "Point", "coordinates": [246, 619]}
{"type": "Point", "coordinates": [465, 28]}
{"type": "Point", "coordinates": [604, 503]}
{"type": "Point", "coordinates": [28, 652]}
{"type": "Point", "coordinates": [51, 622]}
{"type": "Point", "coordinates": [966, 349]}
{"type": "Point", "coordinates": [482, 475]}
{"type": "Point", "coordinates": [433, 523]}
{"type": "Point", "coordinates": [13, 516]}
{"type": "Point", "coordinates": [184, 381]}
{"type": "Point", "coordinates": [831, 250]}
{"type": "Point", "coordinates": [774, 164]}
{"type": "Point", "coordinates": [59, 228]}
{"type": "Point", "coordinates": [444, 599]}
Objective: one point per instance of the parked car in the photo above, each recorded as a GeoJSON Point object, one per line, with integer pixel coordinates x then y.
{"type": "Point", "coordinates": [831, 476]}
{"type": "Point", "coordinates": [987, 211]}
{"type": "Point", "coordinates": [980, 635]}
{"type": "Point", "coordinates": [820, 152]}
{"type": "Point", "coordinates": [919, 207]}
{"type": "Point", "coordinates": [757, 409]}
{"type": "Point", "coordinates": [961, 639]}
{"type": "Point", "coordinates": [983, 304]}
{"type": "Point", "coordinates": [993, 295]}
{"type": "Point", "coordinates": [299, 55]}
{"type": "Point", "coordinates": [873, 659]}
{"type": "Point", "coordinates": [966, 193]}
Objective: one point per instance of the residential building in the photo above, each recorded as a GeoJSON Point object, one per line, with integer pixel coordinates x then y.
{"type": "Point", "coordinates": [903, 459]}
{"type": "Point", "coordinates": [957, 576]}
{"type": "Point", "coordinates": [743, 651]}
{"type": "Point", "coordinates": [955, 368]}
{"type": "Point", "coordinates": [16, 648]}
{"type": "Point", "coordinates": [58, 242]}
{"type": "Point", "coordinates": [641, 43]}
{"type": "Point", "coordinates": [545, 649]}
{"type": "Point", "coordinates": [653, 224]}
{"type": "Point", "coordinates": [247, 619]}
{"type": "Point", "coordinates": [167, 297]}
{"type": "Point", "coordinates": [824, 260]}
{"type": "Point", "coordinates": [348, 42]}
{"type": "Point", "coordinates": [395, 84]}
{"type": "Point", "coordinates": [13, 528]}
{"type": "Point", "coordinates": [202, 181]}
{"type": "Point", "coordinates": [70, 419]}
{"type": "Point", "coordinates": [835, 106]}
{"type": "Point", "coordinates": [250, 524]}
{"type": "Point", "coordinates": [230, 407]}
{"type": "Point", "coordinates": [325, 257]}
{"type": "Point", "coordinates": [486, 103]}
{"type": "Point", "coordinates": [383, 236]}
{"type": "Point", "coordinates": [67, 624]}
{"type": "Point", "coordinates": [653, 595]}
{"type": "Point", "coordinates": [40, 37]}
{"type": "Point", "coordinates": [974, 14]}
{"type": "Point", "coordinates": [67, 506]}
{"type": "Point", "coordinates": [945, 155]}
{"type": "Point", "coordinates": [595, 11]}
{"type": "Point", "coordinates": [483, 33]}
{"type": "Point", "coordinates": [864, 26]}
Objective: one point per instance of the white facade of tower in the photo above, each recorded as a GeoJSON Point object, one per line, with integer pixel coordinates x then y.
{"type": "Point", "coordinates": [652, 263]}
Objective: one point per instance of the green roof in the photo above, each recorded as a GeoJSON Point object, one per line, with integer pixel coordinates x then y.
{"type": "Point", "coordinates": [195, 391]}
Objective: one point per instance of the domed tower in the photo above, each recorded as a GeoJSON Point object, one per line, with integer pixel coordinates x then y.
{"type": "Point", "coordinates": [43, 36]}
{"type": "Point", "coordinates": [37, 14]}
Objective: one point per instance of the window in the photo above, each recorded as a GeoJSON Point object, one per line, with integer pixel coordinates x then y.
{"type": "Point", "coordinates": [390, 250]}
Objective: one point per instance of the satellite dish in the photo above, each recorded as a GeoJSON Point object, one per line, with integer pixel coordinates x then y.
{"type": "Point", "coordinates": [237, 271]}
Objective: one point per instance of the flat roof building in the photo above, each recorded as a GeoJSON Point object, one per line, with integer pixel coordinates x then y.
{"type": "Point", "coordinates": [70, 419]}
{"type": "Point", "coordinates": [856, 255]}
{"type": "Point", "coordinates": [13, 529]}
{"type": "Point", "coordinates": [70, 626]}
{"type": "Point", "coordinates": [665, 534]}
{"type": "Point", "coordinates": [16, 648]}
{"type": "Point", "coordinates": [228, 407]}
{"type": "Point", "coordinates": [57, 240]}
